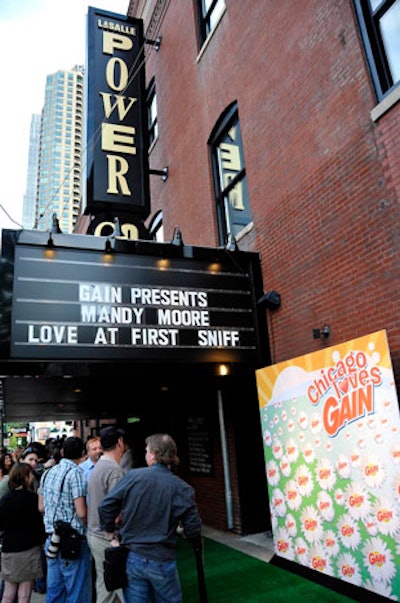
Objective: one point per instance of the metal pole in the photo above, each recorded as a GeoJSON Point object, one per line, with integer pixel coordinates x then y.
{"type": "Point", "coordinates": [225, 462]}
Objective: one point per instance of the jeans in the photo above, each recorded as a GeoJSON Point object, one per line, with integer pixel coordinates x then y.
{"type": "Point", "coordinates": [150, 580]}
{"type": "Point", "coordinates": [69, 581]}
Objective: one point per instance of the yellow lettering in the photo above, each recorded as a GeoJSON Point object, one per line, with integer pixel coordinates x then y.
{"type": "Point", "coordinates": [122, 109]}
{"type": "Point", "coordinates": [117, 168]}
{"type": "Point", "coordinates": [118, 139]}
{"type": "Point", "coordinates": [111, 72]}
{"type": "Point", "coordinates": [112, 41]}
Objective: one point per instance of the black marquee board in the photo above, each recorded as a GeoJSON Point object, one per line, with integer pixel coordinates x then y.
{"type": "Point", "coordinates": [145, 301]}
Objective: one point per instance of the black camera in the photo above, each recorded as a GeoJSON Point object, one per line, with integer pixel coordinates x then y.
{"type": "Point", "coordinates": [70, 540]}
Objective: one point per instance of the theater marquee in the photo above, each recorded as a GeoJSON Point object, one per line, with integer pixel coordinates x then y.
{"type": "Point", "coordinates": [143, 301]}
{"type": "Point", "coordinates": [117, 160]}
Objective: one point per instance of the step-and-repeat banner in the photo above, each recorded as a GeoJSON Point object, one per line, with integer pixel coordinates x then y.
{"type": "Point", "coordinates": [331, 431]}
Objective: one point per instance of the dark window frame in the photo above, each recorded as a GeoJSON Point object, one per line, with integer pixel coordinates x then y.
{"type": "Point", "coordinates": [204, 18]}
{"type": "Point", "coordinates": [227, 225]}
{"type": "Point", "coordinates": [368, 20]}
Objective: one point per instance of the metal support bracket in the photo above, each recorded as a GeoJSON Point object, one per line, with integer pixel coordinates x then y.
{"type": "Point", "coordinates": [156, 43]}
{"type": "Point", "coordinates": [163, 173]}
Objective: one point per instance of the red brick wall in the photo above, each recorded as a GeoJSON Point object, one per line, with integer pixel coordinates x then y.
{"type": "Point", "coordinates": [323, 177]}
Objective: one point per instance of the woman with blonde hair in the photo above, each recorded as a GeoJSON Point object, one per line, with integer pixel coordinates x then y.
{"type": "Point", "coordinates": [23, 535]}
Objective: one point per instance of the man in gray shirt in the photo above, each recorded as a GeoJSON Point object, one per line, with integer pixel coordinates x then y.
{"type": "Point", "coordinates": [103, 477]}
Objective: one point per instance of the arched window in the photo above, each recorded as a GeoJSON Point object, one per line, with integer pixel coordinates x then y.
{"type": "Point", "coordinates": [229, 173]}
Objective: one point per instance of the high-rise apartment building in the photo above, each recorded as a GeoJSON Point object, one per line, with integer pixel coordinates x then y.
{"type": "Point", "coordinates": [59, 187]}
{"type": "Point", "coordinates": [29, 206]}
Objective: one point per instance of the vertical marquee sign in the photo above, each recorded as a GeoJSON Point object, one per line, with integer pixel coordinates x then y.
{"type": "Point", "coordinates": [117, 160]}
{"type": "Point", "coordinates": [331, 425]}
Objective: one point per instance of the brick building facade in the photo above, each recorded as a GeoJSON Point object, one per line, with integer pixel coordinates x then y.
{"type": "Point", "coordinates": [319, 127]}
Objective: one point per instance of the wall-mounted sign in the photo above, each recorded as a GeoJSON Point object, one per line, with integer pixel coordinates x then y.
{"type": "Point", "coordinates": [86, 304]}
{"type": "Point", "coordinates": [117, 159]}
{"type": "Point", "coordinates": [200, 457]}
{"type": "Point", "coordinates": [331, 426]}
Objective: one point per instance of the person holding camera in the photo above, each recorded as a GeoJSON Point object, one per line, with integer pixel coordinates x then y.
{"type": "Point", "coordinates": [23, 535]}
{"type": "Point", "coordinates": [62, 499]}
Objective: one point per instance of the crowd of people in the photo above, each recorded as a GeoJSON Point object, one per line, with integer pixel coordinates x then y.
{"type": "Point", "coordinates": [92, 489]}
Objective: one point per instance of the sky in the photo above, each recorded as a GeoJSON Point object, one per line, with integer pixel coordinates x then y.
{"type": "Point", "coordinates": [37, 38]}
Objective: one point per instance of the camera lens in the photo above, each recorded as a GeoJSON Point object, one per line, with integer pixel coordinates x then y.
{"type": "Point", "coordinates": [54, 545]}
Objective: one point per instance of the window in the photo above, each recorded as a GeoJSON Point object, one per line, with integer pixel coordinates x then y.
{"type": "Point", "coordinates": [151, 104]}
{"type": "Point", "coordinates": [230, 184]}
{"type": "Point", "coordinates": [209, 13]}
{"type": "Point", "coordinates": [379, 22]}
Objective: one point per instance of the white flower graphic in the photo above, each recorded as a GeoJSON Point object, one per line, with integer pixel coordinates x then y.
{"type": "Point", "coordinates": [378, 559]}
{"type": "Point", "coordinates": [319, 560]}
{"type": "Point", "coordinates": [290, 425]}
{"type": "Point", "coordinates": [371, 525]}
{"type": "Point", "coordinates": [290, 525]}
{"type": "Point", "coordinates": [331, 542]}
{"type": "Point", "coordinates": [285, 466]}
{"type": "Point", "coordinates": [283, 544]}
{"type": "Point", "coordinates": [355, 458]}
{"type": "Point", "coordinates": [325, 506]}
{"type": "Point", "coordinates": [384, 421]}
{"type": "Point", "coordinates": [273, 475]}
{"type": "Point", "coordinates": [267, 438]}
{"type": "Point", "coordinates": [343, 466]}
{"type": "Point", "coordinates": [292, 450]}
{"type": "Point", "coordinates": [278, 502]}
{"type": "Point", "coordinates": [283, 415]}
{"type": "Point", "coordinates": [373, 471]}
{"type": "Point", "coordinates": [386, 516]}
{"type": "Point", "coordinates": [339, 496]}
{"type": "Point", "coordinates": [292, 495]}
{"type": "Point", "coordinates": [301, 550]}
{"type": "Point", "coordinates": [396, 486]}
{"type": "Point", "coordinates": [357, 500]}
{"type": "Point", "coordinates": [277, 449]}
{"type": "Point", "coordinates": [380, 588]}
{"type": "Point", "coordinates": [302, 420]}
{"type": "Point", "coordinates": [304, 480]}
{"type": "Point", "coordinates": [311, 524]}
{"type": "Point", "coordinates": [325, 474]}
{"type": "Point", "coordinates": [315, 423]}
{"type": "Point", "coordinates": [395, 454]}
{"type": "Point", "coordinates": [348, 569]}
{"type": "Point", "coordinates": [309, 453]}
{"type": "Point", "coordinates": [348, 531]}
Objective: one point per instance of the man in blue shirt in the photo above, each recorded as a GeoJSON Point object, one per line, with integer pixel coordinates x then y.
{"type": "Point", "coordinates": [62, 496]}
{"type": "Point", "coordinates": [94, 452]}
{"type": "Point", "coordinates": [152, 502]}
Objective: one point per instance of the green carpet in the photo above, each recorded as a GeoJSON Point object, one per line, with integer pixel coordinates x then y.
{"type": "Point", "coordinates": [233, 577]}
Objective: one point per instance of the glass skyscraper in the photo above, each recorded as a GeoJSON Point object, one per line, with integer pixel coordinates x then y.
{"type": "Point", "coordinates": [59, 186]}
